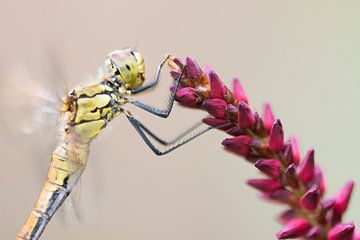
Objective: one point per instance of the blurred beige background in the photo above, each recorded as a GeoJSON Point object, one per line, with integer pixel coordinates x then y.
{"type": "Point", "coordinates": [302, 56]}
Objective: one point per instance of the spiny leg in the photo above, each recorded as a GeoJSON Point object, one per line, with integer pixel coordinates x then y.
{"type": "Point", "coordinates": [159, 112]}
{"type": "Point", "coordinates": [164, 142]}
{"type": "Point", "coordinates": [180, 142]}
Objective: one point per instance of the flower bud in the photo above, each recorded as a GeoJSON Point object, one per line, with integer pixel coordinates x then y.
{"type": "Point", "coordinates": [295, 150]}
{"type": "Point", "coordinates": [246, 118]}
{"type": "Point", "coordinates": [238, 91]}
{"type": "Point", "coordinates": [265, 185]}
{"type": "Point", "coordinates": [268, 117]}
{"type": "Point", "coordinates": [239, 145]}
{"type": "Point", "coordinates": [217, 89]}
{"type": "Point", "coordinates": [307, 168]}
{"type": "Point", "coordinates": [215, 107]}
{"type": "Point", "coordinates": [187, 96]}
{"type": "Point", "coordinates": [288, 215]}
{"type": "Point", "coordinates": [343, 198]}
{"type": "Point", "coordinates": [342, 231]}
{"type": "Point", "coordinates": [310, 199]}
{"type": "Point", "coordinates": [294, 229]}
{"type": "Point", "coordinates": [271, 167]}
{"type": "Point", "coordinates": [276, 139]}
{"type": "Point", "coordinates": [193, 71]}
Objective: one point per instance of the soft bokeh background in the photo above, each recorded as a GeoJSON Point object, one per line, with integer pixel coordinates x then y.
{"type": "Point", "coordinates": [302, 56]}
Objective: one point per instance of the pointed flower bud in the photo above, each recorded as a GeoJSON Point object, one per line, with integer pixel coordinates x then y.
{"type": "Point", "coordinates": [276, 139]}
{"type": "Point", "coordinates": [175, 74]}
{"type": "Point", "coordinates": [268, 117]}
{"type": "Point", "coordinates": [217, 89]}
{"type": "Point", "coordinates": [214, 121]}
{"type": "Point", "coordinates": [294, 229]}
{"type": "Point", "coordinates": [239, 145]}
{"type": "Point", "coordinates": [215, 107]}
{"type": "Point", "coordinates": [295, 150]}
{"type": "Point", "coordinates": [307, 168]}
{"type": "Point", "coordinates": [343, 198]}
{"type": "Point", "coordinates": [238, 91]}
{"type": "Point", "coordinates": [271, 167]}
{"type": "Point", "coordinates": [192, 68]}
{"type": "Point", "coordinates": [246, 117]}
{"type": "Point", "coordinates": [187, 96]}
{"type": "Point", "coordinates": [343, 231]}
{"type": "Point", "coordinates": [282, 195]}
{"type": "Point", "coordinates": [310, 199]}
{"type": "Point", "coordinates": [265, 185]}
{"type": "Point", "coordinates": [319, 180]}
{"type": "Point", "coordinates": [287, 215]}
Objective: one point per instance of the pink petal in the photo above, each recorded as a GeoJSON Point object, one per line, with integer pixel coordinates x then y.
{"type": "Point", "coordinates": [239, 145]}
{"type": "Point", "coordinates": [268, 117]}
{"type": "Point", "coordinates": [310, 199]}
{"type": "Point", "coordinates": [295, 228]}
{"type": "Point", "coordinates": [307, 168]}
{"type": "Point", "coordinates": [215, 107]}
{"type": "Point", "coordinates": [217, 89]}
{"type": "Point", "coordinates": [246, 117]}
{"type": "Point", "coordinates": [192, 68]}
{"type": "Point", "coordinates": [343, 231]}
{"type": "Point", "coordinates": [276, 139]}
{"type": "Point", "coordinates": [266, 185]}
{"type": "Point", "coordinates": [295, 150]}
{"type": "Point", "coordinates": [271, 167]}
{"type": "Point", "coordinates": [238, 91]}
{"type": "Point", "coordinates": [187, 96]}
{"type": "Point", "coordinates": [343, 198]}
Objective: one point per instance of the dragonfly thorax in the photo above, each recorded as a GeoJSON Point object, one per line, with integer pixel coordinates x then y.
{"type": "Point", "coordinates": [126, 68]}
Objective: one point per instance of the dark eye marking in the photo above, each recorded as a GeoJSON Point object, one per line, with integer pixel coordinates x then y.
{"type": "Point", "coordinates": [128, 67]}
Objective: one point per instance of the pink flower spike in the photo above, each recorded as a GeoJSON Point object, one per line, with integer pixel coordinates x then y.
{"type": "Point", "coordinates": [239, 145]}
{"type": "Point", "coordinates": [187, 96]}
{"type": "Point", "coordinates": [295, 150]}
{"type": "Point", "coordinates": [192, 68]}
{"type": "Point", "coordinates": [343, 231]}
{"type": "Point", "coordinates": [246, 117]}
{"type": "Point", "coordinates": [310, 199]}
{"type": "Point", "coordinates": [271, 167]}
{"type": "Point", "coordinates": [276, 139]}
{"type": "Point", "coordinates": [307, 168]}
{"type": "Point", "coordinates": [343, 198]}
{"type": "Point", "coordinates": [265, 185]}
{"type": "Point", "coordinates": [217, 89]}
{"type": "Point", "coordinates": [215, 107]}
{"type": "Point", "coordinates": [238, 91]}
{"type": "Point", "coordinates": [268, 117]}
{"type": "Point", "coordinates": [295, 228]}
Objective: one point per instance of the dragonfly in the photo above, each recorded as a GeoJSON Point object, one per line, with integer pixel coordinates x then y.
{"type": "Point", "coordinates": [85, 112]}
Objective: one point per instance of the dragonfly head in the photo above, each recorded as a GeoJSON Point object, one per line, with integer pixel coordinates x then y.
{"type": "Point", "coordinates": [126, 68]}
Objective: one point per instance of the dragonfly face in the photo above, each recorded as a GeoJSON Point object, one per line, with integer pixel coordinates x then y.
{"type": "Point", "coordinates": [126, 68]}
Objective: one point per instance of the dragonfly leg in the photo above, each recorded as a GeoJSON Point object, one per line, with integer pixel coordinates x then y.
{"type": "Point", "coordinates": [139, 127]}
{"type": "Point", "coordinates": [164, 113]}
{"type": "Point", "coordinates": [153, 82]}
{"type": "Point", "coordinates": [177, 138]}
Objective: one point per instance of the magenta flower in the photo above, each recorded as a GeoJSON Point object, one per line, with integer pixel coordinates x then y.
{"type": "Point", "coordinates": [298, 184]}
{"type": "Point", "coordinates": [294, 228]}
{"type": "Point", "coordinates": [343, 231]}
